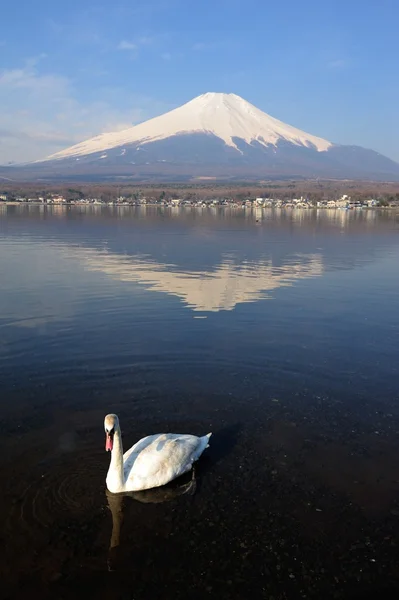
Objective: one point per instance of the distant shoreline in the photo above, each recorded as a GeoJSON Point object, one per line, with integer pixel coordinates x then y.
{"type": "Point", "coordinates": [308, 193]}
{"type": "Point", "coordinates": [197, 205]}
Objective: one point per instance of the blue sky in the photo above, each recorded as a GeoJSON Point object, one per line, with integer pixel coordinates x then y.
{"type": "Point", "coordinates": [71, 70]}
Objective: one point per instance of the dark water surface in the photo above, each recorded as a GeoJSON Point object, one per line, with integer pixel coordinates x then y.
{"type": "Point", "coordinates": [280, 336]}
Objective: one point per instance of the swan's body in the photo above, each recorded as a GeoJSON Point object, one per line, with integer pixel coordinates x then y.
{"type": "Point", "coordinates": [153, 461]}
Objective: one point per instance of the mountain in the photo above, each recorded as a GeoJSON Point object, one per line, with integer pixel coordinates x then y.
{"type": "Point", "coordinates": [224, 116]}
{"type": "Point", "coordinates": [214, 135]}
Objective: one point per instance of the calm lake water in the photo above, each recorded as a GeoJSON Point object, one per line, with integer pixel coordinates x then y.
{"type": "Point", "coordinates": [278, 331]}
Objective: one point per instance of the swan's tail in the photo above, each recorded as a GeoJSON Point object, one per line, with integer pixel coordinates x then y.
{"type": "Point", "coordinates": [203, 444]}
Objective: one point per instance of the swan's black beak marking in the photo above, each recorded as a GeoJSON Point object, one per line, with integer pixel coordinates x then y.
{"type": "Point", "coordinates": [109, 439]}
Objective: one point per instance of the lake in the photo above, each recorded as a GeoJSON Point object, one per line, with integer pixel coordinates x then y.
{"type": "Point", "coordinates": [276, 330]}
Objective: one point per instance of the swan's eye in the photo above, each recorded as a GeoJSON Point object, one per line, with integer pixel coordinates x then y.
{"type": "Point", "coordinates": [110, 431]}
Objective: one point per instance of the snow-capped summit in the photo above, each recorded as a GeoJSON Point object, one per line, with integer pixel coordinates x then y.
{"type": "Point", "coordinates": [226, 116]}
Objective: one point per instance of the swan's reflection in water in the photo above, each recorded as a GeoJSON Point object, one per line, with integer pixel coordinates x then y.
{"type": "Point", "coordinates": [183, 486]}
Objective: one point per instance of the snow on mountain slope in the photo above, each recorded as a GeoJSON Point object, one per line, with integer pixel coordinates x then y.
{"type": "Point", "coordinates": [227, 116]}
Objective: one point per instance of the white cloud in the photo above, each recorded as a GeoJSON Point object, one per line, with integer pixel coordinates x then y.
{"type": "Point", "coordinates": [136, 43]}
{"type": "Point", "coordinates": [27, 79]}
{"type": "Point", "coordinates": [41, 113]}
{"type": "Point", "coordinates": [124, 45]}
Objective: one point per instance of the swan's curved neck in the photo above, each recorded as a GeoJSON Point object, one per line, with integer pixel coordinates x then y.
{"type": "Point", "coordinates": [115, 479]}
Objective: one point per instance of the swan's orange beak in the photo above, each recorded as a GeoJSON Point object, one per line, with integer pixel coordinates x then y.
{"type": "Point", "coordinates": [109, 442]}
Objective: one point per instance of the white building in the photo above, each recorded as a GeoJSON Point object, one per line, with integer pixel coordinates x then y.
{"type": "Point", "coordinates": [343, 202]}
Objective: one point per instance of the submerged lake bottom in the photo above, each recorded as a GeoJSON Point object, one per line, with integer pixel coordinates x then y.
{"type": "Point", "coordinates": [293, 366]}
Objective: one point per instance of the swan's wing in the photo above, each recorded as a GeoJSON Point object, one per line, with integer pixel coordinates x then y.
{"type": "Point", "coordinates": [130, 456]}
{"type": "Point", "coordinates": [158, 459]}
{"type": "Point", "coordinates": [140, 445]}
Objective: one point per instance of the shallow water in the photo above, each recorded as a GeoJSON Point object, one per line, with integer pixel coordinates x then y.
{"type": "Point", "coordinates": [278, 331]}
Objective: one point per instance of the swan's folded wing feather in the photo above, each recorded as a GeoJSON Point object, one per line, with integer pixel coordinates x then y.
{"type": "Point", "coordinates": [140, 445]}
{"type": "Point", "coordinates": [163, 457]}
{"type": "Point", "coordinates": [131, 455]}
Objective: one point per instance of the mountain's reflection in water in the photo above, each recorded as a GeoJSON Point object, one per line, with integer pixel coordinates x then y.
{"type": "Point", "coordinates": [185, 485]}
{"type": "Point", "coordinates": [222, 288]}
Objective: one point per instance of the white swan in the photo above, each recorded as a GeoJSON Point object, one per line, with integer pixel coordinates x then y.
{"type": "Point", "coordinates": [153, 461]}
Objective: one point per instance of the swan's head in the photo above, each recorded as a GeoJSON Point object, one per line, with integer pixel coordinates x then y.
{"type": "Point", "coordinates": [111, 423]}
